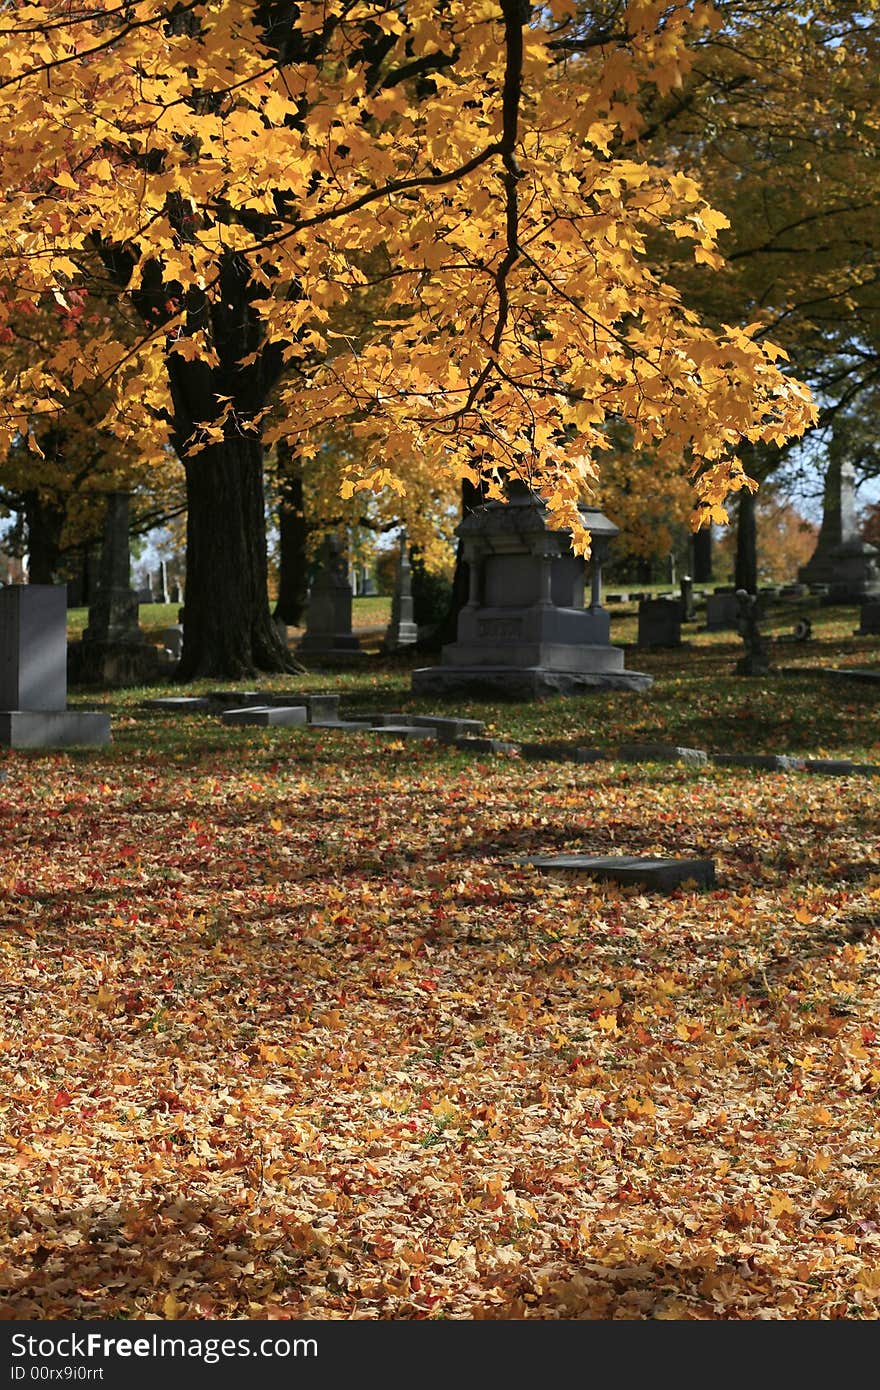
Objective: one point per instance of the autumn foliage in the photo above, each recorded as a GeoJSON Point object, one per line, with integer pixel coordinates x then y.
{"type": "Point", "coordinates": [229, 170]}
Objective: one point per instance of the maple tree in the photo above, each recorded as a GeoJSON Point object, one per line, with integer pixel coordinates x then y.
{"type": "Point", "coordinates": [231, 169]}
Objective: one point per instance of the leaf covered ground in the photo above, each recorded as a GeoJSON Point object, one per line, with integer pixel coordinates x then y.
{"type": "Point", "coordinates": [288, 1033]}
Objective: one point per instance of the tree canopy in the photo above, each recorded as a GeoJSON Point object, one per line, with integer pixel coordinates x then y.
{"type": "Point", "coordinates": [236, 176]}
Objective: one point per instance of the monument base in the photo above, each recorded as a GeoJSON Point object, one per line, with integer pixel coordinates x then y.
{"type": "Point", "coordinates": [521, 683]}
{"type": "Point", "coordinates": [54, 729]}
{"type": "Point", "coordinates": [114, 663]}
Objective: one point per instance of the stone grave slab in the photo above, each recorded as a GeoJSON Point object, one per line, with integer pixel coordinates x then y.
{"type": "Point", "coordinates": [560, 753]}
{"type": "Point", "coordinates": [379, 717]}
{"type": "Point", "coordinates": [829, 766]}
{"type": "Point", "coordinates": [661, 753]}
{"type": "Point", "coordinates": [266, 716]}
{"type": "Point", "coordinates": [663, 875]}
{"type": "Point", "coordinates": [853, 673]}
{"type": "Point", "coordinates": [179, 704]}
{"type": "Point", "coordinates": [237, 699]}
{"type": "Point", "coordinates": [66, 728]}
{"type": "Point", "coordinates": [354, 724]}
{"type": "Point", "coordinates": [320, 706]}
{"type": "Point", "coordinates": [485, 745]}
{"type": "Point", "coordinates": [402, 731]}
{"type": "Point", "coordinates": [762, 762]}
{"type": "Point", "coordinates": [449, 728]}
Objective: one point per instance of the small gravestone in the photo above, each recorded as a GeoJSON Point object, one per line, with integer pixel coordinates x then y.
{"type": "Point", "coordinates": [659, 623]}
{"type": "Point", "coordinates": [870, 620]}
{"type": "Point", "coordinates": [402, 631]}
{"type": "Point", "coordinates": [174, 594]}
{"type": "Point", "coordinates": [663, 875]}
{"type": "Point", "coordinates": [33, 673]}
{"type": "Point", "coordinates": [722, 611]}
{"type": "Point", "coordinates": [755, 661]}
{"type": "Point", "coordinates": [328, 637]}
{"type": "Point", "coordinates": [266, 716]}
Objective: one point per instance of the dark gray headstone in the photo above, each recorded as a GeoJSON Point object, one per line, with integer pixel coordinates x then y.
{"type": "Point", "coordinates": [722, 612]}
{"type": "Point", "coordinates": [659, 623]}
{"type": "Point", "coordinates": [33, 647]}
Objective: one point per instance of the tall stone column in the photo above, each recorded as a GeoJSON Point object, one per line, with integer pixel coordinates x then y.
{"type": "Point", "coordinates": [402, 630]}
{"type": "Point", "coordinates": [113, 612]}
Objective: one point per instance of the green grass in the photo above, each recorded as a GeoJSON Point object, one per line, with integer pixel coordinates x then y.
{"type": "Point", "coordinates": [696, 699]}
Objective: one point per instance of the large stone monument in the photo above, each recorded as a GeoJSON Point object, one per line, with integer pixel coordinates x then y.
{"type": "Point", "coordinates": [114, 650]}
{"type": "Point", "coordinates": [328, 637]}
{"type": "Point", "coordinates": [842, 560]}
{"type": "Point", "coordinates": [33, 673]}
{"type": "Point", "coordinates": [524, 631]}
{"type": "Point", "coordinates": [855, 571]}
{"type": "Point", "coordinates": [402, 631]}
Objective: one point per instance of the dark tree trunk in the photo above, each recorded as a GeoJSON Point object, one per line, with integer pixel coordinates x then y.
{"type": "Point", "coordinates": [746, 570]}
{"type": "Point", "coordinates": [44, 521]}
{"type": "Point", "coordinates": [293, 588]}
{"type": "Point", "coordinates": [702, 556]}
{"type": "Point", "coordinates": [227, 630]}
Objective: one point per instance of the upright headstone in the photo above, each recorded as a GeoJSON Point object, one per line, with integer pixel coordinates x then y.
{"type": "Point", "coordinates": [722, 611]}
{"type": "Point", "coordinates": [114, 650]}
{"type": "Point", "coordinates": [328, 636]}
{"type": "Point", "coordinates": [659, 623]}
{"type": "Point", "coordinates": [113, 612]}
{"type": "Point", "coordinates": [160, 584]}
{"type": "Point", "coordinates": [174, 593]}
{"type": "Point", "coordinates": [525, 632]}
{"type": "Point", "coordinates": [33, 673]}
{"type": "Point", "coordinates": [402, 631]}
